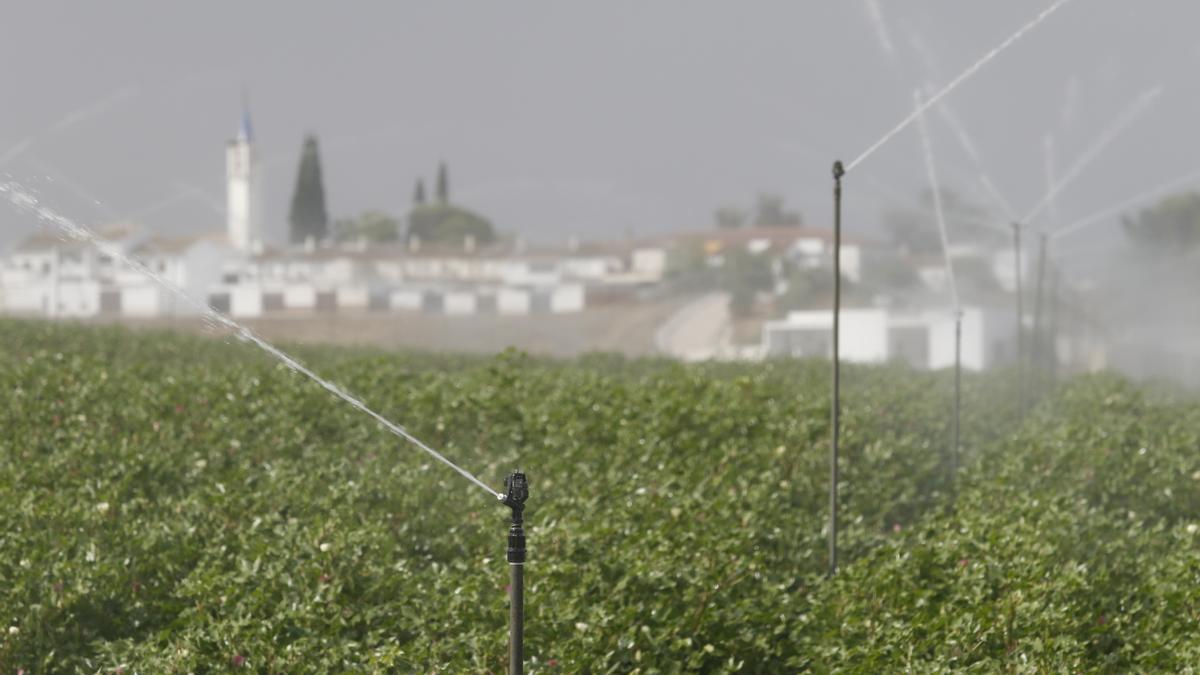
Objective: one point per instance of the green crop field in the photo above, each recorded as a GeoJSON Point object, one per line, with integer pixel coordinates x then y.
{"type": "Point", "coordinates": [182, 504]}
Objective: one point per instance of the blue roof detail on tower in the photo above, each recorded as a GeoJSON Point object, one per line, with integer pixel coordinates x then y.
{"type": "Point", "coordinates": [245, 133]}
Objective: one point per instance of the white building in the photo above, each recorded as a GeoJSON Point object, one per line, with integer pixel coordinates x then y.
{"type": "Point", "coordinates": [807, 248]}
{"type": "Point", "coordinates": [243, 173]}
{"type": "Point", "coordinates": [53, 277]}
{"type": "Point", "coordinates": [921, 338]}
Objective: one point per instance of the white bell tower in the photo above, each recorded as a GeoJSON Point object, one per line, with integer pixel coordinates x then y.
{"type": "Point", "coordinates": [243, 189]}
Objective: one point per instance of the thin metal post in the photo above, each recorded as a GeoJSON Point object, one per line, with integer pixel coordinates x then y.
{"type": "Point", "coordinates": [1038, 337]}
{"type": "Point", "coordinates": [516, 492]}
{"type": "Point", "coordinates": [1020, 319]}
{"type": "Point", "coordinates": [1053, 329]}
{"type": "Point", "coordinates": [516, 619]}
{"type": "Point", "coordinates": [957, 391]}
{"type": "Point", "coordinates": [835, 407]}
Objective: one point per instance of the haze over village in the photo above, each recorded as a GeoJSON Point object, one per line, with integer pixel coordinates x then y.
{"type": "Point", "coordinates": [529, 259]}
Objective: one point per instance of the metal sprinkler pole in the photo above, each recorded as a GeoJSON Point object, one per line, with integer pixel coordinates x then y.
{"type": "Point", "coordinates": [957, 390]}
{"type": "Point", "coordinates": [835, 408]}
{"type": "Point", "coordinates": [1053, 329]}
{"type": "Point", "coordinates": [1038, 338]}
{"type": "Point", "coordinates": [515, 493]}
{"type": "Point", "coordinates": [1020, 322]}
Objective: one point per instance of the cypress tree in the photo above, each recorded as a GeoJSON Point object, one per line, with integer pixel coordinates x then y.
{"type": "Point", "coordinates": [308, 216]}
{"type": "Point", "coordinates": [419, 193]}
{"type": "Point", "coordinates": [443, 184]}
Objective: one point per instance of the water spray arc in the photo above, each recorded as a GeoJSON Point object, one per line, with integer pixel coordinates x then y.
{"type": "Point", "coordinates": [517, 487]}
{"type": "Point", "coordinates": [959, 131]}
{"type": "Point", "coordinates": [1129, 202]}
{"type": "Point", "coordinates": [954, 84]}
{"type": "Point", "coordinates": [839, 171]}
{"type": "Point", "coordinates": [940, 214]}
{"type": "Point", "coordinates": [1126, 117]}
{"type": "Point", "coordinates": [26, 201]}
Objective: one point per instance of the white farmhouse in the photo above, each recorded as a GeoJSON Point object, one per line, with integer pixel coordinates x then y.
{"type": "Point", "coordinates": [921, 338]}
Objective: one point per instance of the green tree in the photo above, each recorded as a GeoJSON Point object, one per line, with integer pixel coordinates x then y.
{"type": "Point", "coordinates": [443, 184]}
{"type": "Point", "coordinates": [916, 228]}
{"type": "Point", "coordinates": [730, 218]}
{"type": "Point", "coordinates": [813, 289]}
{"type": "Point", "coordinates": [308, 216]}
{"type": "Point", "coordinates": [449, 224]}
{"type": "Point", "coordinates": [419, 193]}
{"type": "Point", "coordinates": [372, 226]}
{"type": "Point", "coordinates": [770, 212]}
{"type": "Point", "coordinates": [745, 275]}
{"type": "Point", "coordinates": [1170, 226]}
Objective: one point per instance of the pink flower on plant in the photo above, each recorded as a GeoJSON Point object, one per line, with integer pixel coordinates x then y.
{"type": "Point", "coordinates": [238, 661]}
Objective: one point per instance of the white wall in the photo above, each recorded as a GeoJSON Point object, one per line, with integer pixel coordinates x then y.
{"type": "Point", "coordinates": [864, 335]}
{"type": "Point", "coordinates": [353, 297]}
{"type": "Point", "coordinates": [407, 299]}
{"type": "Point", "coordinates": [590, 267]}
{"type": "Point", "coordinates": [980, 331]}
{"type": "Point", "coordinates": [78, 299]}
{"type": "Point", "coordinates": [809, 247]}
{"type": "Point", "coordinates": [569, 298]}
{"type": "Point", "coordinates": [649, 261]}
{"type": "Point", "coordinates": [513, 301]}
{"type": "Point", "coordinates": [851, 260]}
{"type": "Point", "coordinates": [299, 296]}
{"type": "Point", "coordinates": [142, 301]}
{"type": "Point", "coordinates": [197, 270]}
{"type": "Point", "coordinates": [245, 301]}
{"type": "Point", "coordinates": [29, 299]}
{"type": "Point", "coordinates": [459, 303]}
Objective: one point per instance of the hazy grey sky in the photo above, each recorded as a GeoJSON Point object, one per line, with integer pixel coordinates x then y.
{"type": "Point", "coordinates": [562, 118]}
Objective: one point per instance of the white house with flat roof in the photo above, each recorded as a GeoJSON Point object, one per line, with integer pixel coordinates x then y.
{"type": "Point", "coordinates": [921, 338]}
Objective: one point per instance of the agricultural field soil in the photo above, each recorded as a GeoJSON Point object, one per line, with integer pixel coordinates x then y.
{"type": "Point", "coordinates": [175, 503]}
{"type": "Point", "coordinates": [627, 329]}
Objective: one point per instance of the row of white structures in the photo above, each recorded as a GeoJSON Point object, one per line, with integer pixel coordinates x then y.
{"type": "Point", "coordinates": [88, 298]}
{"type": "Point", "coordinates": [253, 301]}
{"type": "Point", "coordinates": [46, 276]}
{"type": "Point", "coordinates": [921, 338]}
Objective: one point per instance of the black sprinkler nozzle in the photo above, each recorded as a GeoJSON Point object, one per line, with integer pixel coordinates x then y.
{"type": "Point", "coordinates": [516, 491]}
{"type": "Point", "coordinates": [838, 169]}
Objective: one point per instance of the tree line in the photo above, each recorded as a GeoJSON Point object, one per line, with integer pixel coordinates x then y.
{"type": "Point", "coordinates": [434, 221]}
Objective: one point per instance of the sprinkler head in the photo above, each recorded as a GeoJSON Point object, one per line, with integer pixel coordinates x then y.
{"type": "Point", "coordinates": [516, 491]}
{"type": "Point", "coordinates": [838, 169]}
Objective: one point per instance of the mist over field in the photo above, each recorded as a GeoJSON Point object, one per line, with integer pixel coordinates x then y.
{"type": "Point", "coordinates": [687, 336]}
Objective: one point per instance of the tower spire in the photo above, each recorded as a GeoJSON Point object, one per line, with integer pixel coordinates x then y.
{"type": "Point", "coordinates": [245, 132]}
